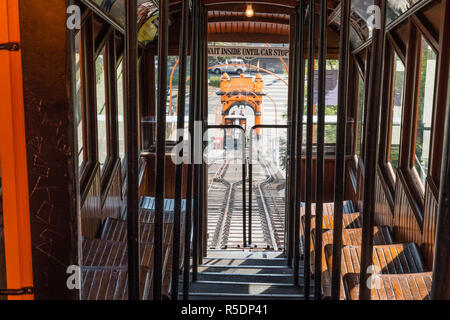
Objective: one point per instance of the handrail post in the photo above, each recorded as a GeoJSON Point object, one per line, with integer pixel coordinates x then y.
{"type": "Point", "coordinates": [339, 179]}
{"type": "Point", "coordinates": [290, 145]}
{"type": "Point", "coordinates": [309, 143]}
{"type": "Point", "coordinates": [180, 133]}
{"type": "Point", "coordinates": [198, 139]}
{"type": "Point", "coordinates": [250, 186]}
{"type": "Point", "coordinates": [131, 76]}
{"type": "Point", "coordinates": [244, 175]}
{"type": "Point", "coordinates": [371, 151]}
{"type": "Point", "coordinates": [320, 148]}
{"type": "Point", "coordinates": [300, 71]}
{"type": "Point", "coordinates": [232, 126]}
{"type": "Point", "coordinates": [189, 186]}
{"type": "Point", "coordinates": [160, 147]}
{"type": "Point", "coordinates": [293, 159]}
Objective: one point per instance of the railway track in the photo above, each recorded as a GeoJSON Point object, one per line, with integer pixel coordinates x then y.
{"type": "Point", "coordinates": [225, 220]}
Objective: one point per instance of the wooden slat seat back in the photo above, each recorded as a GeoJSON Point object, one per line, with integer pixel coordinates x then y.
{"type": "Point", "coordinates": [350, 221]}
{"type": "Point", "coordinates": [111, 283]}
{"type": "Point", "coordinates": [98, 252]}
{"type": "Point", "coordinates": [350, 237]}
{"type": "Point", "coordinates": [414, 286]}
{"type": "Point", "coordinates": [382, 235]}
{"type": "Point", "coordinates": [328, 208]}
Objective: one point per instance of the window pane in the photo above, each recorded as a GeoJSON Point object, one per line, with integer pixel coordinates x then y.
{"type": "Point", "coordinates": [397, 111]}
{"type": "Point", "coordinates": [360, 116]}
{"type": "Point", "coordinates": [121, 110]}
{"type": "Point", "coordinates": [425, 109]}
{"type": "Point", "coordinates": [78, 102]}
{"type": "Point", "coordinates": [101, 110]}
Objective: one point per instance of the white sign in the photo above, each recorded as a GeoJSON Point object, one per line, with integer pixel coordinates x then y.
{"type": "Point", "coordinates": [249, 52]}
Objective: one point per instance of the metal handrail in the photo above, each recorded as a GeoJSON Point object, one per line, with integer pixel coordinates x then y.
{"type": "Point", "coordinates": [250, 169]}
{"type": "Point", "coordinates": [244, 172]}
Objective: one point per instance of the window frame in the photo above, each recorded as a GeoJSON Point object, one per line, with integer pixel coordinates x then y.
{"type": "Point", "coordinates": [415, 180]}
{"type": "Point", "coordinates": [363, 73]}
{"type": "Point", "coordinates": [112, 160]}
{"type": "Point", "coordinates": [389, 172]}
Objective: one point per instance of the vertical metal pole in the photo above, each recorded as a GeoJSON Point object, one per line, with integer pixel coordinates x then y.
{"type": "Point", "coordinates": [320, 148]}
{"type": "Point", "coordinates": [196, 93]}
{"type": "Point", "coordinates": [339, 180]}
{"type": "Point", "coordinates": [201, 110]}
{"type": "Point", "coordinates": [160, 146]}
{"type": "Point", "coordinates": [371, 150]}
{"type": "Point", "coordinates": [300, 70]}
{"type": "Point", "coordinates": [250, 173]}
{"type": "Point", "coordinates": [309, 143]}
{"type": "Point", "coordinates": [291, 143]}
{"type": "Point", "coordinates": [180, 133]}
{"type": "Point", "coordinates": [204, 250]}
{"type": "Point", "coordinates": [189, 217]}
{"type": "Point", "coordinates": [295, 154]}
{"type": "Point", "coordinates": [131, 76]}
{"type": "Point", "coordinates": [244, 174]}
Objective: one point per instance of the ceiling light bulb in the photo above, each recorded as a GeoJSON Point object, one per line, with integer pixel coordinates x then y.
{"type": "Point", "coordinates": [249, 11]}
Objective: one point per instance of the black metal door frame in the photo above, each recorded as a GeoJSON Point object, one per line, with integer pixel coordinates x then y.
{"type": "Point", "coordinates": [250, 171]}
{"type": "Point", "coordinates": [244, 173]}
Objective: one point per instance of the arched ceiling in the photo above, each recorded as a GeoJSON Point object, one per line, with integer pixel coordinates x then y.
{"type": "Point", "coordinates": [270, 23]}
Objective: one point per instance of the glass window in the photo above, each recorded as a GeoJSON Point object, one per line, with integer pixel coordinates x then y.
{"type": "Point", "coordinates": [121, 110]}
{"type": "Point", "coordinates": [79, 108]}
{"type": "Point", "coordinates": [361, 101]}
{"type": "Point", "coordinates": [424, 110]}
{"type": "Point", "coordinates": [398, 79]}
{"type": "Point", "coordinates": [102, 125]}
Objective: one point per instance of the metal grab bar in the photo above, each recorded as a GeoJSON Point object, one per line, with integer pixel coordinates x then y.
{"type": "Point", "coordinates": [244, 172]}
{"type": "Point", "coordinates": [250, 170]}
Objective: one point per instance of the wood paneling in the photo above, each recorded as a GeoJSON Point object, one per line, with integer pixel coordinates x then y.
{"type": "Point", "coordinates": [169, 177]}
{"type": "Point", "coordinates": [113, 203]}
{"type": "Point", "coordinates": [383, 213]}
{"type": "Point", "coordinates": [91, 210]}
{"type": "Point", "coordinates": [406, 226]}
{"type": "Point", "coordinates": [328, 185]}
{"type": "Point", "coordinates": [429, 223]}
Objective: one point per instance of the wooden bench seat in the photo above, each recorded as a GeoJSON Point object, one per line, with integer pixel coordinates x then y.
{"type": "Point", "coordinates": [414, 286]}
{"type": "Point", "coordinates": [111, 283]}
{"type": "Point", "coordinates": [392, 258]}
{"type": "Point", "coordinates": [350, 237]}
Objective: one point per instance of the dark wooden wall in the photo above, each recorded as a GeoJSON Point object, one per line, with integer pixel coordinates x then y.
{"type": "Point", "coordinates": [94, 209]}
{"type": "Point", "coordinates": [50, 144]}
{"type": "Point", "coordinates": [328, 186]}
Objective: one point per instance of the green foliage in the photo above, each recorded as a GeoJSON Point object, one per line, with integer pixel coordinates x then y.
{"type": "Point", "coordinates": [214, 81]}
